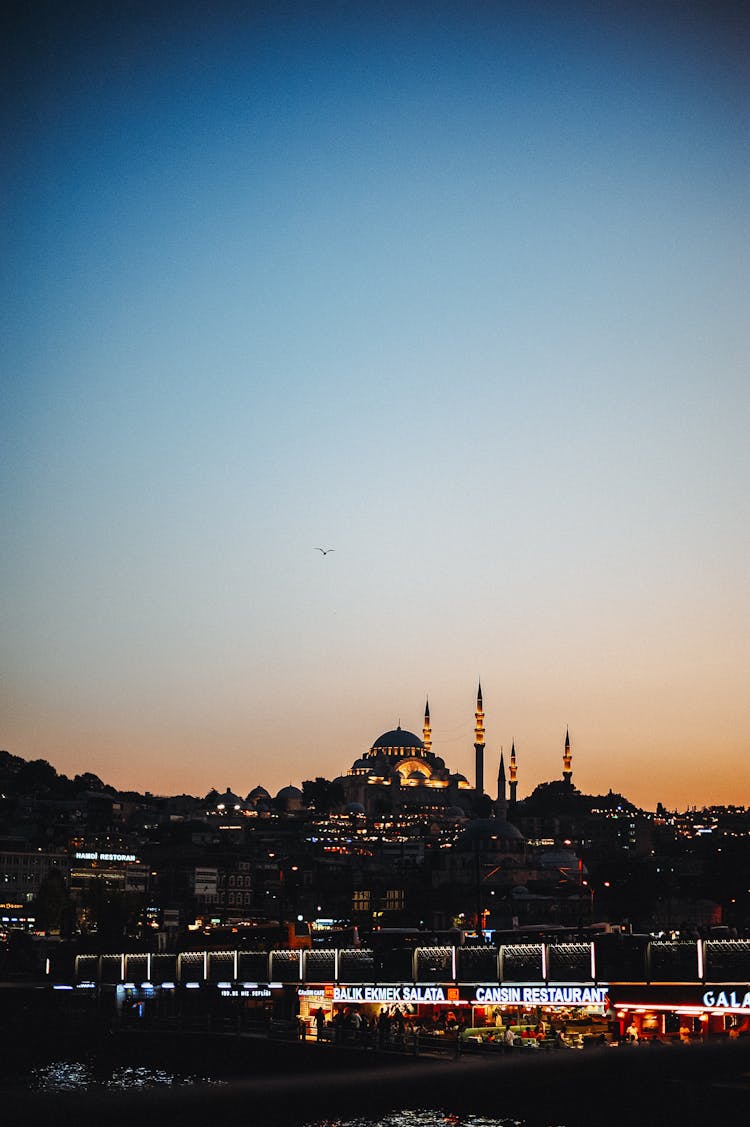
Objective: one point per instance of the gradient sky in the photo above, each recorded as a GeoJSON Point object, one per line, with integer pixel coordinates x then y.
{"type": "Point", "coordinates": [460, 291]}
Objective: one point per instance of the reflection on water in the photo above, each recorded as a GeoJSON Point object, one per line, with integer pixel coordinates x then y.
{"type": "Point", "coordinates": [76, 1076]}
{"type": "Point", "coordinates": [422, 1118]}
{"type": "Point", "coordinates": [69, 1076]}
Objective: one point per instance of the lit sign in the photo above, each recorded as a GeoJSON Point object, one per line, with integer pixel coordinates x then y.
{"type": "Point", "coordinates": [261, 992]}
{"type": "Point", "coordinates": [542, 995]}
{"type": "Point", "coordinates": [105, 856]}
{"type": "Point", "coordinates": [738, 999]}
{"type": "Point", "coordinates": [391, 994]}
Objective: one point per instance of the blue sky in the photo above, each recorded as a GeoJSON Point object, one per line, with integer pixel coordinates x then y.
{"type": "Point", "coordinates": [460, 291]}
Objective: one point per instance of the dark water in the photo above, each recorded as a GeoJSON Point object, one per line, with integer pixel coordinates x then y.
{"type": "Point", "coordinates": [75, 1076]}
{"type": "Point", "coordinates": [254, 1084]}
{"type": "Point", "coordinates": [423, 1118]}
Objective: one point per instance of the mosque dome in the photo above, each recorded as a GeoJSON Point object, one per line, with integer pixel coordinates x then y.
{"type": "Point", "coordinates": [354, 808]}
{"type": "Point", "coordinates": [564, 860]}
{"type": "Point", "coordinates": [256, 793]}
{"type": "Point", "coordinates": [290, 792]}
{"type": "Point", "coordinates": [398, 739]}
{"type": "Point", "coordinates": [482, 831]}
{"type": "Point", "coordinates": [290, 799]}
{"type": "Point", "coordinates": [228, 800]}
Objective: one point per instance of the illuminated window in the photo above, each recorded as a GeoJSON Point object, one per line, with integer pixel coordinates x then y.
{"type": "Point", "coordinates": [361, 900]}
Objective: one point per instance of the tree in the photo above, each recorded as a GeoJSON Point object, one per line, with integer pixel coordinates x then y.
{"type": "Point", "coordinates": [322, 794]}
{"type": "Point", "coordinates": [52, 906]}
{"type": "Point", "coordinates": [89, 781]}
{"type": "Point", "coordinates": [36, 775]}
{"type": "Point", "coordinates": [113, 914]}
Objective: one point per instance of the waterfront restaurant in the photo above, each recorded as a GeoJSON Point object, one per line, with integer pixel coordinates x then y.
{"type": "Point", "coordinates": [688, 1012]}
{"type": "Point", "coordinates": [580, 1011]}
{"type": "Point", "coordinates": [610, 987]}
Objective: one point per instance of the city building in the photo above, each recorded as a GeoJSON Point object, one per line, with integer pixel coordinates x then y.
{"type": "Point", "coordinates": [400, 772]}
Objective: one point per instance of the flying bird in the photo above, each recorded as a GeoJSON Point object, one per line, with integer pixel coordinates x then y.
{"type": "Point", "coordinates": [325, 551]}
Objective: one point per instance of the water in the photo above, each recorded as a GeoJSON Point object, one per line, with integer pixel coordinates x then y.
{"type": "Point", "coordinates": [423, 1118]}
{"type": "Point", "coordinates": [74, 1076]}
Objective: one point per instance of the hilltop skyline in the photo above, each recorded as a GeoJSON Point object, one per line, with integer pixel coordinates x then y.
{"type": "Point", "coordinates": [463, 762]}
{"type": "Point", "coordinates": [457, 291]}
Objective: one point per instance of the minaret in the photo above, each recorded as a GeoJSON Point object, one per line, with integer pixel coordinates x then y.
{"type": "Point", "coordinates": [479, 743]}
{"type": "Point", "coordinates": [426, 729]}
{"type": "Point", "coordinates": [567, 769]}
{"type": "Point", "coordinates": [502, 801]}
{"type": "Point", "coordinates": [513, 778]}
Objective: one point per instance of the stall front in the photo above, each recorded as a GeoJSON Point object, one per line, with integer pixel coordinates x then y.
{"type": "Point", "coordinates": [565, 1015]}
{"type": "Point", "coordinates": [683, 1012]}
{"type": "Point", "coordinates": [383, 1015]}
{"type": "Point", "coordinates": [570, 1015]}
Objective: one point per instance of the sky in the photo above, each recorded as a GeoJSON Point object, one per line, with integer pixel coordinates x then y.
{"type": "Point", "coordinates": [456, 290]}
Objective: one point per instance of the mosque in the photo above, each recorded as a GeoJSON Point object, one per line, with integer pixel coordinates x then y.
{"type": "Point", "coordinates": [400, 772]}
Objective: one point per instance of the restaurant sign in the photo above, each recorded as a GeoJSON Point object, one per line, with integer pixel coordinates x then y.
{"type": "Point", "coordinates": [94, 855]}
{"type": "Point", "coordinates": [737, 998]}
{"type": "Point", "coordinates": [392, 994]}
{"type": "Point", "coordinates": [541, 995]}
{"type": "Point", "coordinates": [246, 992]}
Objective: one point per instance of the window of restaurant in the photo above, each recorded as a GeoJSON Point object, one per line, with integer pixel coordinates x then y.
{"type": "Point", "coordinates": [574, 1017]}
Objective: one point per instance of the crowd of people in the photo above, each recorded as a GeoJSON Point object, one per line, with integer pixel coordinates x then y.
{"type": "Point", "coordinates": [396, 1028]}
{"type": "Point", "coordinates": [391, 1027]}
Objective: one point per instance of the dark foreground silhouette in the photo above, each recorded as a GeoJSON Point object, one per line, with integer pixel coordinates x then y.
{"type": "Point", "coordinates": [637, 1086]}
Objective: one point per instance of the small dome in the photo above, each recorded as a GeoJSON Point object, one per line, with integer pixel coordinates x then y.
{"type": "Point", "coordinates": [290, 792]}
{"type": "Point", "coordinates": [486, 830]}
{"type": "Point", "coordinates": [256, 793]}
{"type": "Point", "coordinates": [418, 776]}
{"type": "Point", "coordinates": [227, 800]}
{"type": "Point", "coordinates": [354, 808]}
{"type": "Point", "coordinates": [290, 799]}
{"type": "Point", "coordinates": [564, 861]}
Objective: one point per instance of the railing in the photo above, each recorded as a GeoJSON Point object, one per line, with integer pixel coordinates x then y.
{"type": "Point", "coordinates": [622, 959]}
